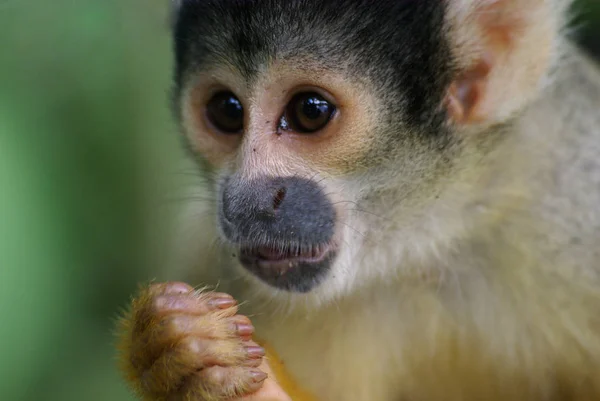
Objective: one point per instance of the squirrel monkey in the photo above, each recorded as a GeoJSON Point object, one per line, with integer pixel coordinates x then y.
{"type": "Point", "coordinates": [404, 196]}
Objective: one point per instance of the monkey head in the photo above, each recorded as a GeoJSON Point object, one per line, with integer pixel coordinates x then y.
{"type": "Point", "coordinates": [324, 126]}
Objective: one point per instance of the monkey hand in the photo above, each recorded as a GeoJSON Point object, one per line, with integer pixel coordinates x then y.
{"type": "Point", "coordinates": [180, 344]}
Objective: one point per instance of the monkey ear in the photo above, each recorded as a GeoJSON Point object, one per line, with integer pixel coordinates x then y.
{"type": "Point", "coordinates": [503, 50]}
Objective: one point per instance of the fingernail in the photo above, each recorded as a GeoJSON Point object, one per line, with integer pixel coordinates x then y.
{"type": "Point", "coordinates": [255, 352]}
{"type": "Point", "coordinates": [258, 376]}
{"type": "Point", "coordinates": [222, 303]}
{"type": "Point", "coordinates": [244, 329]}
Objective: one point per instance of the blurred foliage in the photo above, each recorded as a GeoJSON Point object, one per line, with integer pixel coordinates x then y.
{"type": "Point", "coordinates": [87, 156]}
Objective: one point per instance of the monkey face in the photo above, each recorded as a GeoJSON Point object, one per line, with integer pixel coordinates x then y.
{"type": "Point", "coordinates": [275, 147]}
{"type": "Point", "coordinates": [306, 120]}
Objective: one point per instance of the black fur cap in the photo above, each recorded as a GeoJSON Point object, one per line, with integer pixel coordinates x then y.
{"type": "Point", "coordinates": [400, 46]}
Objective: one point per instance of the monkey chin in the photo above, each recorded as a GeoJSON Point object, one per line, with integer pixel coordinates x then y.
{"type": "Point", "coordinates": [297, 271]}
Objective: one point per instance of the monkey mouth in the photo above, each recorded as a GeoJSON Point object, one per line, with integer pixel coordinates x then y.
{"type": "Point", "coordinates": [279, 261]}
{"type": "Point", "coordinates": [285, 268]}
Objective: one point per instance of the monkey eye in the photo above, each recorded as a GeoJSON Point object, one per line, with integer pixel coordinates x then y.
{"type": "Point", "coordinates": [226, 113]}
{"type": "Point", "coordinates": [308, 113]}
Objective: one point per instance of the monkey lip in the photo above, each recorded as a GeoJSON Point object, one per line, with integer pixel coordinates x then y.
{"type": "Point", "coordinates": [267, 261]}
{"type": "Point", "coordinates": [268, 254]}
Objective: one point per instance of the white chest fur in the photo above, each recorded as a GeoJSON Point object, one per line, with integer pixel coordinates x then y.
{"type": "Point", "coordinates": [347, 352]}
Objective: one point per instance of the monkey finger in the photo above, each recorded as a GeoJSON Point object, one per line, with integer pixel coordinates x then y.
{"type": "Point", "coordinates": [175, 287]}
{"type": "Point", "coordinates": [270, 391]}
{"type": "Point", "coordinates": [254, 354]}
{"type": "Point", "coordinates": [191, 355]}
{"type": "Point", "coordinates": [164, 298]}
{"type": "Point", "coordinates": [170, 330]}
{"type": "Point", "coordinates": [213, 326]}
{"type": "Point", "coordinates": [220, 383]}
{"type": "Point", "coordinates": [190, 304]}
{"type": "Point", "coordinates": [143, 308]}
{"type": "Point", "coordinates": [168, 288]}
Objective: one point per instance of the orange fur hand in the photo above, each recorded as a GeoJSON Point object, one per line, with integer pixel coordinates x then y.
{"type": "Point", "coordinates": [178, 344]}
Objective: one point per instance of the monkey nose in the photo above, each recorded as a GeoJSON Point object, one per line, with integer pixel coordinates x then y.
{"type": "Point", "coordinates": [279, 197]}
{"type": "Point", "coordinates": [267, 208]}
{"type": "Point", "coordinates": [279, 208]}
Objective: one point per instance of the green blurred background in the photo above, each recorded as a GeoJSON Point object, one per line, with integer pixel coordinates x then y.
{"type": "Point", "coordinates": [88, 182]}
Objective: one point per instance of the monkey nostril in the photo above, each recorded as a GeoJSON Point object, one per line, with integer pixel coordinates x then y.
{"type": "Point", "coordinates": [278, 198]}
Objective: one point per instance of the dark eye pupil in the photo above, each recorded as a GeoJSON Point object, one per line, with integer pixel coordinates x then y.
{"type": "Point", "coordinates": [314, 108]}
{"type": "Point", "coordinates": [308, 113]}
{"type": "Point", "coordinates": [232, 108]}
{"type": "Point", "coordinates": [226, 113]}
